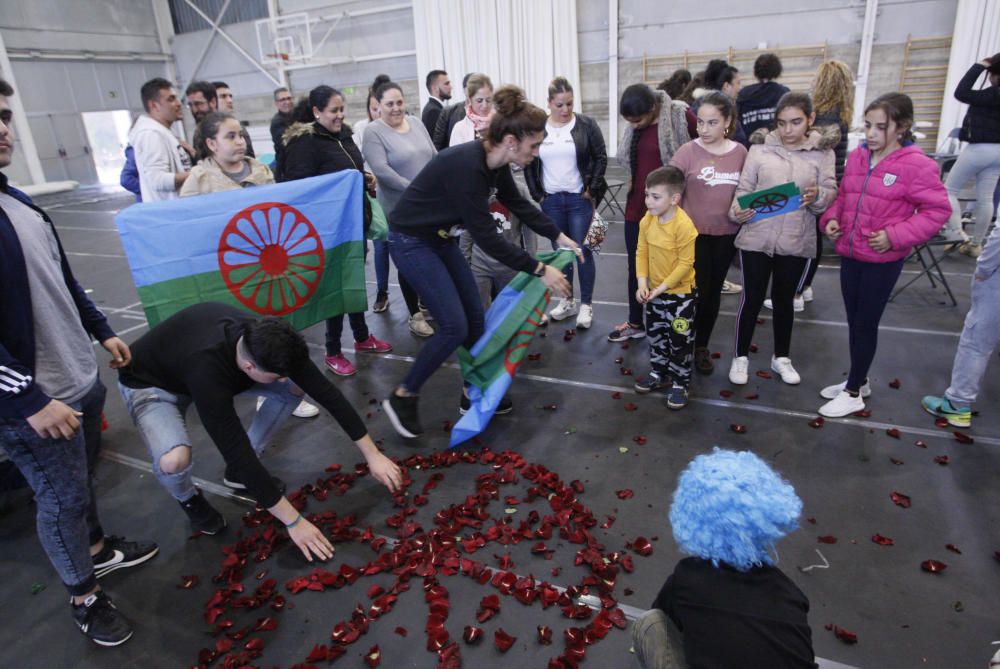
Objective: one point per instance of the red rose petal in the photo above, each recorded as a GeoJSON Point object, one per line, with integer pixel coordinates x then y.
{"type": "Point", "coordinates": [619, 360]}
{"type": "Point", "coordinates": [401, 631]}
{"type": "Point", "coordinates": [893, 432]}
{"type": "Point", "coordinates": [188, 582]}
{"type": "Point", "coordinates": [941, 422]}
{"type": "Point", "coordinates": [827, 539]}
{"type": "Point", "coordinates": [639, 439]}
{"type": "Point", "coordinates": [373, 657]}
{"type": "Point", "coordinates": [899, 499]}
{"type": "Point", "coordinates": [534, 356]}
{"type": "Point", "coordinates": [845, 635]}
{"type": "Point", "coordinates": [616, 395]}
{"type": "Point", "coordinates": [811, 521]}
{"type": "Point", "coordinates": [882, 541]}
{"type": "Point", "coordinates": [472, 634]}
{"type": "Point", "coordinates": [716, 355]}
{"type": "Point", "coordinates": [254, 644]}
{"type": "Point", "coordinates": [502, 640]}
{"type": "Point", "coordinates": [630, 407]}
{"type": "Point", "coordinates": [544, 635]}
{"type": "Point", "coordinates": [764, 374]}
{"type": "Point", "coordinates": [895, 461]}
{"type": "Point", "coordinates": [864, 413]}
{"type": "Point", "coordinates": [941, 460]}
{"type": "Point", "coordinates": [753, 348]}
{"type": "Point", "coordinates": [953, 548]}
{"type": "Point", "coordinates": [963, 438]}
{"type": "Point", "coordinates": [726, 393]}
{"type": "Point", "coordinates": [266, 624]}
{"type": "Point", "coordinates": [816, 423]}
{"type": "Point", "coordinates": [752, 396]}
{"type": "Point", "coordinates": [624, 494]}
{"type": "Point", "coordinates": [642, 546]}
{"type": "Point", "coordinates": [738, 428]}
{"type": "Point", "coordinates": [933, 566]}
{"type": "Point", "coordinates": [919, 444]}
{"type": "Point", "coordinates": [996, 555]}
{"type": "Point", "coordinates": [895, 384]}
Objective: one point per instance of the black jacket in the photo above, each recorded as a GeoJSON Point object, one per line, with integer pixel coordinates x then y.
{"type": "Point", "coordinates": [445, 124]}
{"type": "Point", "coordinates": [279, 124]}
{"type": "Point", "coordinates": [429, 116]}
{"type": "Point", "coordinates": [757, 103]}
{"type": "Point", "coordinates": [20, 396]}
{"type": "Point", "coordinates": [982, 121]}
{"type": "Point", "coordinates": [311, 150]}
{"type": "Point", "coordinates": [591, 160]}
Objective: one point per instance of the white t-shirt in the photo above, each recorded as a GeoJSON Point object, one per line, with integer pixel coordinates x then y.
{"type": "Point", "coordinates": [560, 173]}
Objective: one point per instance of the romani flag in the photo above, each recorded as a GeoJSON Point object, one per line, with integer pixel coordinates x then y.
{"type": "Point", "coordinates": [294, 249]}
{"type": "Point", "coordinates": [490, 365]}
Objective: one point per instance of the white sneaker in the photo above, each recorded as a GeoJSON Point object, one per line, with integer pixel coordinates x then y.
{"type": "Point", "coordinates": [418, 325]}
{"type": "Point", "coordinates": [783, 366]}
{"type": "Point", "coordinates": [585, 317]}
{"type": "Point", "coordinates": [730, 288]}
{"type": "Point", "coordinates": [798, 304]}
{"type": "Point", "coordinates": [830, 392]}
{"type": "Point", "coordinates": [565, 309]}
{"type": "Point", "coordinates": [807, 294]}
{"type": "Point", "coordinates": [738, 370]}
{"type": "Point", "coordinates": [306, 410]}
{"type": "Point", "coordinates": [842, 405]}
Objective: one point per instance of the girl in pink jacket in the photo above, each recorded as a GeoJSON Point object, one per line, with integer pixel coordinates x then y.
{"type": "Point", "coordinates": [890, 200]}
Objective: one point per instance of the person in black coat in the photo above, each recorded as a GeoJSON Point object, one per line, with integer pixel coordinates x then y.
{"type": "Point", "coordinates": [980, 160]}
{"type": "Point", "coordinates": [325, 146]}
{"type": "Point", "coordinates": [568, 179]}
{"type": "Point", "coordinates": [283, 118]}
{"type": "Point", "coordinates": [756, 103]}
{"type": "Point", "coordinates": [439, 86]}
{"type": "Point", "coordinates": [447, 119]}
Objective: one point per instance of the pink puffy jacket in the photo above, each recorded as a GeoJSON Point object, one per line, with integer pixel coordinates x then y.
{"type": "Point", "coordinates": [902, 195]}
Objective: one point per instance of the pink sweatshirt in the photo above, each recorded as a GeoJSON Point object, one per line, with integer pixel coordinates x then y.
{"type": "Point", "coordinates": [902, 195]}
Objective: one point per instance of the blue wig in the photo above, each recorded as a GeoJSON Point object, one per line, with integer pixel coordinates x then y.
{"type": "Point", "coordinates": [732, 507]}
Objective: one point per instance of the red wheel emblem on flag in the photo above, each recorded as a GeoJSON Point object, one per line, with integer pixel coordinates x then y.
{"type": "Point", "coordinates": [516, 348]}
{"type": "Point", "coordinates": [271, 258]}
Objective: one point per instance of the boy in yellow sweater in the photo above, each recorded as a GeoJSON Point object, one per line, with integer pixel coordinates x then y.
{"type": "Point", "coordinates": [664, 259]}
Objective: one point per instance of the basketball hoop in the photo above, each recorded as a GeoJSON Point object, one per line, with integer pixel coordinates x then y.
{"type": "Point", "coordinates": [284, 40]}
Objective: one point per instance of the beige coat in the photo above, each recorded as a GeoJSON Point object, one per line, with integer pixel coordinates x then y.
{"type": "Point", "coordinates": [770, 164]}
{"type": "Point", "coordinates": [208, 177]}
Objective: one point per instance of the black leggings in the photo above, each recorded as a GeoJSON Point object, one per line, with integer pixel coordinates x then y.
{"type": "Point", "coordinates": [784, 274]}
{"type": "Point", "coordinates": [814, 265]}
{"type": "Point", "coordinates": [712, 255]}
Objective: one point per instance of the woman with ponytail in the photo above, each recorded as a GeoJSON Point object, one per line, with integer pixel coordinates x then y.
{"type": "Point", "coordinates": [449, 195]}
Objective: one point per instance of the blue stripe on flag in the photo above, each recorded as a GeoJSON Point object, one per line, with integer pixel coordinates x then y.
{"type": "Point", "coordinates": [178, 238]}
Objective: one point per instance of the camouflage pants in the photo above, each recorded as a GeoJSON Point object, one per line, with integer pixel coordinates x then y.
{"type": "Point", "coordinates": [670, 328]}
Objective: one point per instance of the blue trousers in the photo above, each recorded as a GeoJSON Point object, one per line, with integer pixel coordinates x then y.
{"type": "Point", "coordinates": [572, 214]}
{"type": "Point", "coordinates": [866, 287]}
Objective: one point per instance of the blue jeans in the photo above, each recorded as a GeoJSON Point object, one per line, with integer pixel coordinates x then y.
{"type": "Point", "coordinates": [866, 287]}
{"type": "Point", "coordinates": [982, 163]}
{"type": "Point", "coordinates": [980, 336]}
{"type": "Point", "coordinates": [60, 473]}
{"type": "Point", "coordinates": [380, 250]}
{"type": "Point", "coordinates": [572, 214]}
{"type": "Point", "coordinates": [159, 415]}
{"type": "Point", "coordinates": [439, 273]}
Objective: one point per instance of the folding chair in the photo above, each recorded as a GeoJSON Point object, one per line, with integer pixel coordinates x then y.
{"type": "Point", "coordinates": [931, 267]}
{"type": "Point", "coordinates": [610, 201]}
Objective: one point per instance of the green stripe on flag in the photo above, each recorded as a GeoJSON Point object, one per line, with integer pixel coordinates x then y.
{"type": "Point", "coordinates": [341, 289]}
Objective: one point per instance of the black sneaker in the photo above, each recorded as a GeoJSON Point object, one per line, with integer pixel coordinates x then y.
{"type": "Point", "coordinates": [100, 621]}
{"type": "Point", "coordinates": [402, 413]}
{"type": "Point", "coordinates": [381, 302]}
{"type": "Point", "coordinates": [203, 516]}
{"type": "Point", "coordinates": [703, 360]}
{"type": "Point", "coordinates": [118, 553]}
{"type": "Point", "coordinates": [234, 481]}
{"type": "Point", "coordinates": [504, 408]}
{"type": "Point", "coordinates": [652, 382]}
{"type": "Point", "coordinates": [677, 398]}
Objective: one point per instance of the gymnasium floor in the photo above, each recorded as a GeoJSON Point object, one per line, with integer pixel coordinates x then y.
{"type": "Point", "coordinates": [567, 420]}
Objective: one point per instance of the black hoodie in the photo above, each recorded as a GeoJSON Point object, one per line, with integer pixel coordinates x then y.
{"type": "Point", "coordinates": [756, 104]}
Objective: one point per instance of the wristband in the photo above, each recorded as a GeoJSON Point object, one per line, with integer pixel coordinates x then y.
{"type": "Point", "coordinates": [294, 522]}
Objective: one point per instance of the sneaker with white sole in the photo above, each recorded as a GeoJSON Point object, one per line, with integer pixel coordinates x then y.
{"type": "Point", "coordinates": [783, 366]}
{"type": "Point", "coordinates": [626, 331]}
{"type": "Point", "coordinates": [101, 621]}
{"type": "Point", "coordinates": [419, 326]}
{"type": "Point", "coordinates": [585, 318]}
{"type": "Point", "coordinates": [119, 553]}
{"type": "Point", "coordinates": [807, 294]}
{"type": "Point", "coordinates": [844, 404]}
{"type": "Point", "coordinates": [730, 288]}
{"type": "Point", "coordinates": [830, 392]}
{"type": "Point", "coordinates": [402, 413]}
{"type": "Point", "coordinates": [798, 304]}
{"type": "Point", "coordinates": [943, 408]}
{"type": "Point", "coordinates": [566, 308]}
{"type": "Point", "coordinates": [306, 410]}
{"type": "Point", "coordinates": [340, 365]}
{"type": "Point", "coordinates": [738, 370]}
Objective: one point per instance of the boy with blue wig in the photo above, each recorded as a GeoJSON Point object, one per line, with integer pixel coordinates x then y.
{"type": "Point", "coordinates": [728, 605]}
